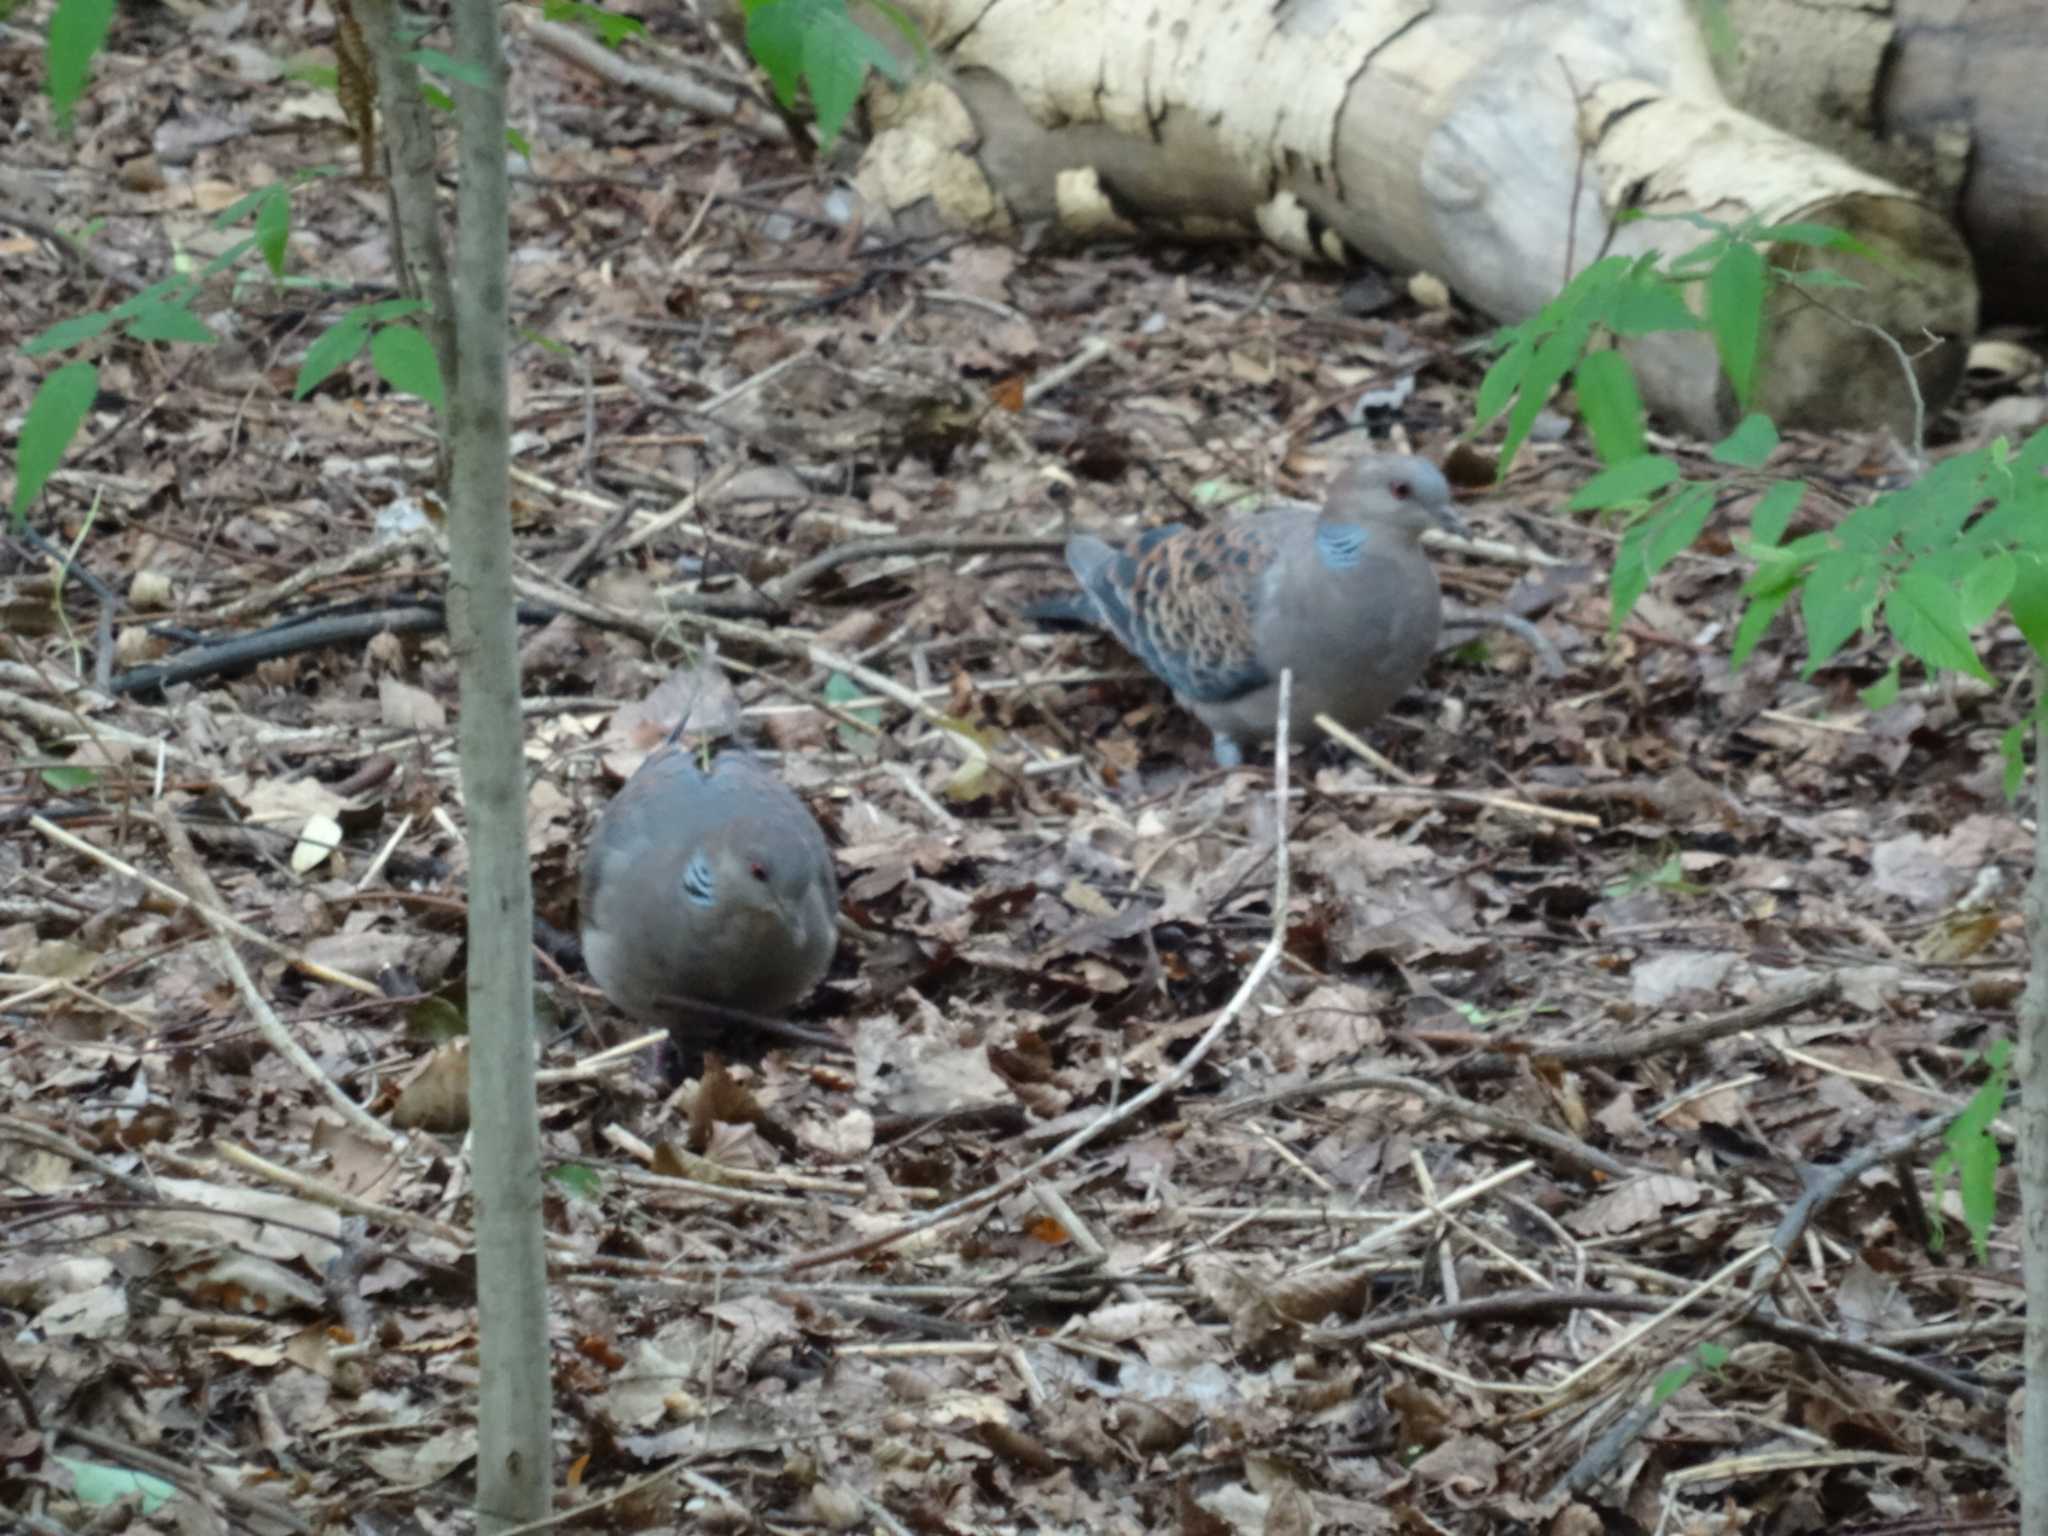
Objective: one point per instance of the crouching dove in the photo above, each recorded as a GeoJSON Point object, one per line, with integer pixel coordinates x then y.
{"type": "Point", "coordinates": [709, 888]}
{"type": "Point", "coordinates": [1345, 597]}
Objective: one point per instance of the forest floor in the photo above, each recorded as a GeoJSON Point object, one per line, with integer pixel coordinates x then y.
{"type": "Point", "coordinates": [1483, 1210]}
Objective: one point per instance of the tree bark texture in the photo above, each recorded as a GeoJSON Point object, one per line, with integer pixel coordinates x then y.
{"type": "Point", "coordinates": [2032, 1471]}
{"type": "Point", "coordinates": [1940, 96]}
{"type": "Point", "coordinates": [1491, 142]}
{"type": "Point", "coordinates": [515, 1444]}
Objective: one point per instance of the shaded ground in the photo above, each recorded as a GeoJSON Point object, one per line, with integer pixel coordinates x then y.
{"type": "Point", "coordinates": [1225, 1312]}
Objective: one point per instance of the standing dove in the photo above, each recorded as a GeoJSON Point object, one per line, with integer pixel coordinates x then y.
{"type": "Point", "coordinates": [1345, 597]}
{"type": "Point", "coordinates": [709, 888]}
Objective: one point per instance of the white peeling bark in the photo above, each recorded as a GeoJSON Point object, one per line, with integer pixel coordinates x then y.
{"type": "Point", "coordinates": [1487, 141]}
{"type": "Point", "coordinates": [1940, 96]}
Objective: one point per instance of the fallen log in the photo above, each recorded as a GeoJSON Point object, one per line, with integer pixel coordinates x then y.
{"type": "Point", "coordinates": [1490, 142]}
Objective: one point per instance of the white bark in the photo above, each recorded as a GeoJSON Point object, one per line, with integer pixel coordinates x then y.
{"type": "Point", "coordinates": [1941, 96]}
{"type": "Point", "coordinates": [1487, 141]}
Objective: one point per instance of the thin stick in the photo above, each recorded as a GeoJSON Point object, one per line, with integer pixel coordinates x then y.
{"type": "Point", "coordinates": [1678, 1037]}
{"type": "Point", "coordinates": [185, 859]}
{"type": "Point", "coordinates": [1337, 733]}
{"type": "Point", "coordinates": [1092, 351]}
{"type": "Point", "coordinates": [706, 101]}
{"type": "Point", "coordinates": [171, 893]}
{"type": "Point", "coordinates": [1565, 1149]}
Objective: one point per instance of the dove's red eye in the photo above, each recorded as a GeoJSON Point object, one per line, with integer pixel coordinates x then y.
{"type": "Point", "coordinates": [759, 871]}
{"type": "Point", "coordinates": [1402, 490]}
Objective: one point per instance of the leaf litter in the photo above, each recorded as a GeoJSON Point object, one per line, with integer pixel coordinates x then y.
{"type": "Point", "coordinates": [1359, 1269]}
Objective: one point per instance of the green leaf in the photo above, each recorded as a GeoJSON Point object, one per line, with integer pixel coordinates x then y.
{"type": "Point", "coordinates": [837, 57]}
{"type": "Point", "coordinates": [1674, 526]}
{"type": "Point", "coordinates": [97, 1484]}
{"type": "Point", "coordinates": [1612, 409]}
{"type": "Point", "coordinates": [1652, 544]}
{"type": "Point", "coordinates": [1818, 235]}
{"type": "Point", "coordinates": [517, 142]}
{"type": "Point", "coordinates": [1971, 1150]}
{"type": "Point", "coordinates": [1670, 1381]}
{"type": "Point", "coordinates": [1754, 439]}
{"type": "Point", "coordinates": [1503, 378]}
{"type": "Point", "coordinates": [2029, 601]}
{"type": "Point", "coordinates": [2018, 520]}
{"type": "Point", "coordinates": [818, 42]}
{"type": "Point", "coordinates": [171, 322]}
{"type": "Point", "coordinates": [902, 22]}
{"type": "Point", "coordinates": [1640, 308]}
{"type": "Point", "coordinates": [1587, 291]}
{"type": "Point", "coordinates": [1882, 693]}
{"type": "Point", "coordinates": [437, 98]}
{"type": "Point", "coordinates": [2032, 458]}
{"type": "Point", "coordinates": [579, 1181]}
{"type": "Point", "coordinates": [385, 310]}
{"type": "Point", "coordinates": [1713, 1356]}
{"type": "Point", "coordinates": [1925, 617]}
{"type": "Point", "coordinates": [1635, 480]}
{"type": "Point", "coordinates": [187, 286]}
{"type": "Point", "coordinates": [775, 37]}
{"type": "Point", "coordinates": [448, 67]}
{"type": "Point", "coordinates": [839, 688]}
{"type": "Point", "coordinates": [172, 290]}
{"type": "Point", "coordinates": [59, 409]}
{"type": "Point", "coordinates": [274, 228]}
{"type": "Point", "coordinates": [322, 77]}
{"type": "Point", "coordinates": [1773, 512]}
{"type": "Point", "coordinates": [1554, 357]}
{"type": "Point", "coordinates": [607, 28]}
{"type": "Point", "coordinates": [435, 1021]}
{"type": "Point", "coordinates": [69, 778]}
{"type": "Point", "coordinates": [335, 348]}
{"type": "Point", "coordinates": [245, 205]}
{"type": "Point", "coordinates": [1929, 514]}
{"type": "Point", "coordinates": [1837, 600]}
{"type": "Point", "coordinates": [1986, 587]}
{"type": "Point", "coordinates": [1796, 558]}
{"type": "Point", "coordinates": [1735, 314]}
{"type": "Point", "coordinates": [404, 359]}
{"type": "Point", "coordinates": [1756, 620]}
{"type": "Point", "coordinates": [66, 334]}
{"type": "Point", "coordinates": [78, 29]}
{"type": "Point", "coordinates": [2012, 747]}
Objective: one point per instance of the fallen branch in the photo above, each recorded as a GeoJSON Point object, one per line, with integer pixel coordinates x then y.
{"type": "Point", "coordinates": [1821, 1186]}
{"type": "Point", "coordinates": [211, 914]}
{"type": "Point", "coordinates": [1539, 1306]}
{"type": "Point", "coordinates": [1504, 1060]}
{"type": "Point", "coordinates": [1116, 1114]}
{"type": "Point", "coordinates": [206, 902]}
{"type": "Point", "coordinates": [686, 95]}
{"type": "Point", "coordinates": [1351, 741]}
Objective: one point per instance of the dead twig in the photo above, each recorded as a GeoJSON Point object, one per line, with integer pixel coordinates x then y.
{"type": "Point", "coordinates": [211, 914]}
{"type": "Point", "coordinates": [1542, 1305]}
{"type": "Point", "coordinates": [658, 85]}
{"type": "Point", "coordinates": [185, 860]}
{"type": "Point", "coordinates": [1565, 1149]}
{"type": "Point", "coordinates": [1351, 742]}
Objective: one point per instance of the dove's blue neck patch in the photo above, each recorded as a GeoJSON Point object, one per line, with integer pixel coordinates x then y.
{"type": "Point", "coordinates": [1340, 545]}
{"type": "Point", "coordinates": [698, 882]}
